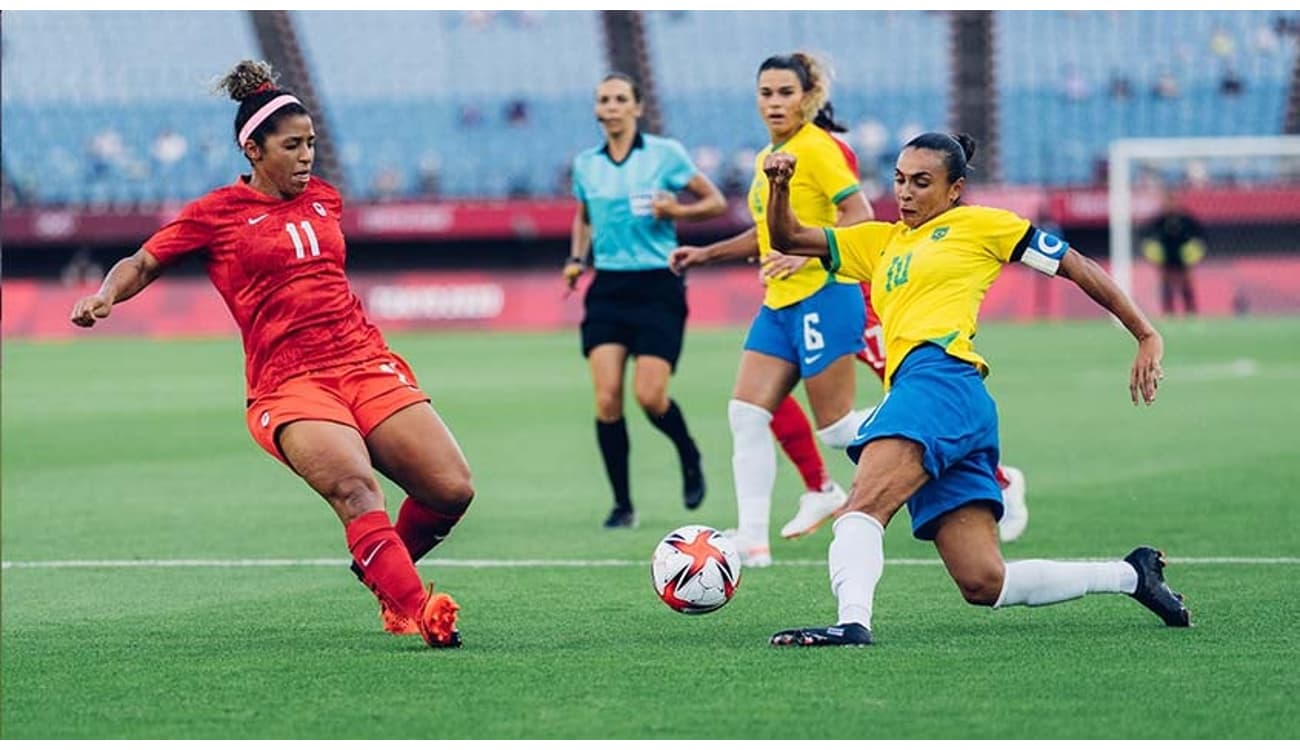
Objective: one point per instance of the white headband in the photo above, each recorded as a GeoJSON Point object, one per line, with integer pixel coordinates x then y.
{"type": "Point", "coordinates": [266, 111]}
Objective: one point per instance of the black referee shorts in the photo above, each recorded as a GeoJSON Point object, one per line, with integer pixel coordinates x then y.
{"type": "Point", "coordinates": [642, 310]}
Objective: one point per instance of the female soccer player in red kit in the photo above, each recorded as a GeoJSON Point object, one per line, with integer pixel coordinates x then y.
{"type": "Point", "coordinates": [325, 394]}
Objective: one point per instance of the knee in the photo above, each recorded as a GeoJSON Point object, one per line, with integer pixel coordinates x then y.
{"type": "Point", "coordinates": [460, 490]}
{"type": "Point", "coordinates": [652, 397]}
{"type": "Point", "coordinates": [981, 588]}
{"type": "Point", "coordinates": [746, 417]}
{"type": "Point", "coordinates": [354, 495]}
{"type": "Point", "coordinates": [609, 404]}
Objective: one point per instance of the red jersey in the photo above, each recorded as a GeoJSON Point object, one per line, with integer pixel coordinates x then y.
{"type": "Point", "coordinates": [850, 156]}
{"type": "Point", "coordinates": [278, 264]}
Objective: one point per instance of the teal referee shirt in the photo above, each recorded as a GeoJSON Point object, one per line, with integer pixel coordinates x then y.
{"type": "Point", "coordinates": [625, 236]}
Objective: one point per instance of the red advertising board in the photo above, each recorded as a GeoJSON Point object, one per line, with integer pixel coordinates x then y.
{"type": "Point", "coordinates": [536, 300]}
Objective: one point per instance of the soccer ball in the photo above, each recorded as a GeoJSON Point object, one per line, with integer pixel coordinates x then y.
{"type": "Point", "coordinates": [695, 569]}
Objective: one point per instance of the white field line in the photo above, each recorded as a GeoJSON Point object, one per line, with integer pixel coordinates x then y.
{"type": "Point", "coordinates": [498, 563]}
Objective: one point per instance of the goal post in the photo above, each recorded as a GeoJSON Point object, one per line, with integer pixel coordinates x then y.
{"type": "Point", "coordinates": [1258, 159]}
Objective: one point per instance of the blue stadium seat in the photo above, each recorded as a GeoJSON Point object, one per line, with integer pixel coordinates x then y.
{"type": "Point", "coordinates": [1055, 70]}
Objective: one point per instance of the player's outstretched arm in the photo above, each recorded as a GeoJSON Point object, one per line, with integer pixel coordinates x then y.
{"type": "Point", "coordinates": [1146, 374]}
{"type": "Point", "coordinates": [788, 235]}
{"type": "Point", "coordinates": [743, 245]}
{"type": "Point", "coordinates": [125, 279]}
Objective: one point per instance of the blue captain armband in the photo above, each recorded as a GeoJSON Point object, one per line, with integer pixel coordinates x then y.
{"type": "Point", "coordinates": [1040, 251]}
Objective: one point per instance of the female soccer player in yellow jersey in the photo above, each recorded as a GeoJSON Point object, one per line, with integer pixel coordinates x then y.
{"type": "Point", "coordinates": [811, 322]}
{"type": "Point", "coordinates": [932, 443]}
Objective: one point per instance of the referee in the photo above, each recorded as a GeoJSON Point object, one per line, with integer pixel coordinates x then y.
{"type": "Point", "coordinates": [635, 306]}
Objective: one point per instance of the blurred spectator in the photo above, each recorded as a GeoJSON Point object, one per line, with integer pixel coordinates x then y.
{"type": "Point", "coordinates": [907, 131]}
{"type": "Point", "coordinates": [1266, 41]}
{"type": "Point", "coordinates": [387, 184]}
{"type": "Point", "coordinates": [871, 139]}
{"type": "Point", "coordinates": [516, 113]}
{"type": "Point", "coordinates": [737, 173]}
{"type": "Point", "coordinates": [519, 187]}
{"type": "Point", "coordinates": [105, 151]}
{"type": "Point", "coordinates": [470, 116]}
{"type": "Point", "coordinates": [8, 195]}
{"type": "Point", "coordinates": [1166, 86]}
{"type": "Point", "coordinates": [1120, 87]}
{"type": "Point", "coordinates": [1073, 84]}
{"type": "Point", "coordinates": [430, 174]}
{"type": "Point", "coordinates": [168, 147]}
{"type": "Point", "coordinates": [707, 159]}
{"type": "Point", "coordinates": [564, 178]}
{"type": "Point", "coordinates": [526, 19]}
{"type": "Point", "coordinates": [1222, 44]}
{"type": "Point", "coordinates": [81, 270]}
{"type": "Point", "coordinates": [1230, 84]}
{"type": "Point", "coordinates": [1175, 242]}
{"type": "Point", "coordinates": [479, 19]}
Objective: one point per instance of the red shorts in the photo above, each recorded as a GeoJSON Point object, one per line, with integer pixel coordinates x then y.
{"type": "Point", "coordinates": [359, 395]}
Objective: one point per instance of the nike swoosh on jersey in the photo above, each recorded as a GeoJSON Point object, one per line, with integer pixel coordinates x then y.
{"type": "Point", "coordinates": [256, 219]}
{"type": "Point", "coordinates": [812, 359]}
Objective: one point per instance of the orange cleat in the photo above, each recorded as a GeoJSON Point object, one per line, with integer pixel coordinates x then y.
{"type": "Point", "coordinates": [396, 622]}
{"type": "Point", "coordinates": [437, 621]}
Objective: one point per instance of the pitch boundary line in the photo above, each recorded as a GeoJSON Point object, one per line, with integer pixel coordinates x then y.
{"type": "Point", "coordinates": [523, 563]}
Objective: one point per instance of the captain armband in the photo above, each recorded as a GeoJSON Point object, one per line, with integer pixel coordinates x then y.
{"type": "Point", "coordinates": [1041, 251]}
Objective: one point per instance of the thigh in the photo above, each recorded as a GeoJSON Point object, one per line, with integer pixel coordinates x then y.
{"type": "Point", "coordinates": [967, 540]}
{"type": "Point", "coordinates": [607, 363]}
{"type": "Point", "coordinates": [888, 473]}
{"type": "Point", "coordinates": [764, 380]}
{"type": "Point", "coordinates": [831, 391]}
{"type": "Point", "coordinates": [651, 376]}
{"type": "Point", "coordinates": [332, 459]}
{"type": "Point", "coordinates": [414, 448]}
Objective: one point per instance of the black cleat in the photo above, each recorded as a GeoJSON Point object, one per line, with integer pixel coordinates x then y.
{"type": "Point", "coordinates": [1152, 591]}
{"type": "Point", "coordinates": [621, 518]}
{"type": "Point", "coordinates": [693, 485]}
{"type": "Point", "coordinates": [846, 634]}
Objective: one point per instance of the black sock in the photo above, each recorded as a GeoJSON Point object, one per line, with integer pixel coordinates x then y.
{"type": "Point", "coordinates": [672, 424]}
{"type": "Point", "coordinates": [614, 446]}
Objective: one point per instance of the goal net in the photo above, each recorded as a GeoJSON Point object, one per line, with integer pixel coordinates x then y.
{"type": "Point", "coordinates": [1244, 193]}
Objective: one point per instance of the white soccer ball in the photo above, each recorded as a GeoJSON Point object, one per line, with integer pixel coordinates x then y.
{"type": "Point", "coordinates": [695, 569]}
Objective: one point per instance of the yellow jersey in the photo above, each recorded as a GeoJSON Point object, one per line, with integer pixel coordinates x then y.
{"type": "Point", "coordinates": [927, 283]}
{"type": "Point", "coordinates": [820, 182]}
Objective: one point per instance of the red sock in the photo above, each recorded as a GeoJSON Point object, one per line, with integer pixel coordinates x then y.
{"type": "Point", "coordinates": [422, 528]}
{"type": "Point", "coordinates": [385, 562]}
{"type": "Point", "coordinates": [795, 434]}
{"type": "Point", "coordinates": [1003, 480]}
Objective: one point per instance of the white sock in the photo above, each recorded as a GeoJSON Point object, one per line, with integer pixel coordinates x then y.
{"type": "Point", "coordinates": [857, 558]}
{"type": "Point", "coordinates": [753, 466]}
{"type": "Point", "coordinates": [1039, 582]}
{"type": "Point", "coordinates": [840, 433]}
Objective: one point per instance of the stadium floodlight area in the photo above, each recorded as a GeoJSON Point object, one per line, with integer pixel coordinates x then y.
{"type": "Point", "coordinates": [1140, 168]}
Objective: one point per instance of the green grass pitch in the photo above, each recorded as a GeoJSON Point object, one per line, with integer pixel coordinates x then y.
{"type": "Point", "coordinates": [136, 450]}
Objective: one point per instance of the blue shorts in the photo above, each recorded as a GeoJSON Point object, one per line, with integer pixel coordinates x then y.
{"type": "Point", "coordinates": [813, 332]}
{"type": "Point", "coordinates": [940, 402]}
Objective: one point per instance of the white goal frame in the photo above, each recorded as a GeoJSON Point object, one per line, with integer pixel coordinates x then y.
{"type": "Point", "coordinates": [1125, 151]}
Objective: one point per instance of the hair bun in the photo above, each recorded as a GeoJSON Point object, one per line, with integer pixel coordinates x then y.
{"type": "Point", "coordinates": [249, 77]}
{"type": "Point", "coordinates": [967, 143]}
